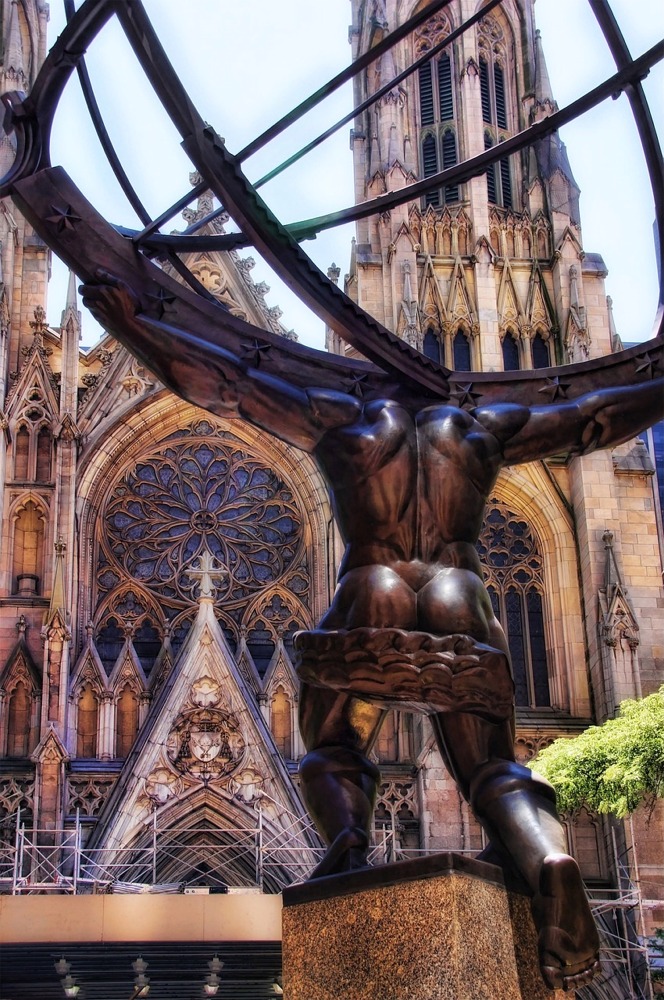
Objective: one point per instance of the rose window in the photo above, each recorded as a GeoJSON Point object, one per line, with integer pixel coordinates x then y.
{"type": "Point", "coordinates": [195, 495]}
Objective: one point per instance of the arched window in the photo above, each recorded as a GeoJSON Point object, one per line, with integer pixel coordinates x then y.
{"type": "Point", "coordinates": [585, 834]}
{"type": "Point", "coordinates": [109, 642]}
{"type": "Point", "coordinates": [395, 819]}
{"type": "Point", "coordinates": [541, 357]}
{"type": "Point", "coordinates": [431, 346]}
{"type": "Point", "coordinates": [511, 362]}
{"type": "Point", "coordinates": [461, 352]}
{"type": "Point", "coordinates": [512, 561]}
{"type": "Point", "coordinates": [438, 139]}
{"type": "Point", "coordinates": [19, 712]}
{"type": "Point", "coordinates": [147, 643]}
{"type": "Point", "coordinates": [21, 453]}
{"type": "Point", "coordinates": [28, 562]}
{"type": "Point", "coordinates": [282, 730]}
{"type": "Point", "coordinates": [87, 722]}
{"type": "Point", "coordinates": [126, 721]}
{"type": "Point", "coordinates": [494, 57]}
{"type": "Point", "coordinates": [44, 452]}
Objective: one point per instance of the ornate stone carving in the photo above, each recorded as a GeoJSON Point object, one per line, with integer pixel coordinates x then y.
{"type": "Point", "coordinates": [246, 785]}
{"type": "Point", "coordinates": [161, 785]}
{"type": "Point", "coordinates": [529, 745]}
{"type": "Point", "coordinates": [431, 32]}
{"type": "Point", "coordinates": [87, 793]}
{"type": "Point", "coordinates": [206, 743]}
{"type": "Point", "coordinates": [67, 429]}
{"type": "Point", "coordinates": [135, 383]}
{"type": "Point", "coordinates": [15, 793]}
{"type": "Point", "coordinates": [205, 692]}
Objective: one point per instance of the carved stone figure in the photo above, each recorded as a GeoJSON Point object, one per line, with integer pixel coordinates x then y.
{"type": "Point", "coordinates": [411, 622]}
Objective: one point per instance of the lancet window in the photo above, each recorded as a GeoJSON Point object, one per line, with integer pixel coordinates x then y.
{"type": "Point", "coordinates": [452, 350]}
{"type": "Point", "coordinates": [512, 561]}
{"type": "Point", "coordinates": [126, 720]}
{"type": "Point", "coordinates": [33, 441]}
{"type": "Point", "coordinates": [497, 115]}
{"type": "Point", "coordinates": [511, 358]}
{"type": "Point", "coordinates": [282, 722]}
{"type": "Point", "coordinates": [540, 349]}
{"type": "Point", "coordinates": [28, 549]}
{"type": "Point", "coordinates": [19, 712]}
{"type": "Point", "coordinates": [437, 110]}
{"type": "Point", "coordinates": [87, 723]}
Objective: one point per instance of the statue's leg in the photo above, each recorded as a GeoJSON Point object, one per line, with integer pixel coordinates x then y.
{"type": "Point", "coordinates": [517, 808]}
{"type": "Point", "coordinates": [338, 781]}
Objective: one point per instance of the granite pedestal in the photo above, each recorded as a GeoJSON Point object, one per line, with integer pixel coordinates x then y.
{"type": "Point", "coordinates": [443, 927]}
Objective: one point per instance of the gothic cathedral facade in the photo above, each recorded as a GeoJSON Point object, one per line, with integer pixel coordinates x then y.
{"type": "Point", "coordinates": [140, 694]}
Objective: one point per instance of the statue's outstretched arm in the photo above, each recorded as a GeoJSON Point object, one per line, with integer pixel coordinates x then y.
{"type": "Point", "coordinates": [208, 375]}
{"type": "Point", "coordinates": [601, 419]}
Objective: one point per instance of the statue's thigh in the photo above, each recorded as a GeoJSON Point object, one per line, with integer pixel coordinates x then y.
{"type": "Point", "coordinates": [329, 718]}
{"type": "Point", "coordinates": [371, 597]}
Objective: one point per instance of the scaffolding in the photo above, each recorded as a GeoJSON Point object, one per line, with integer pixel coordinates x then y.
{"type": "Point", "coordinates": [262, 859]}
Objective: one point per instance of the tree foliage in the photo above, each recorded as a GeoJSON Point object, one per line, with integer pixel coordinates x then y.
{"type": "Point", "coordinates": [611, 768]}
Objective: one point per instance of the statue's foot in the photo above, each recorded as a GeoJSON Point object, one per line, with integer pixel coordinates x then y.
{"type": "Point", "coordinates": [347, 852]}
{"type": "Point", "coordinates": [568, 940]}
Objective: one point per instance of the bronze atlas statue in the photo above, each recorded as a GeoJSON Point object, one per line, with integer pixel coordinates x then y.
{"type": "Point", "coordinates": [410, 453]}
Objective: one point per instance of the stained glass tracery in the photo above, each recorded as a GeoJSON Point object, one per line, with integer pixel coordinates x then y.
{"type": "Point", "coordinates": [513, 571]}
{"type": "Point", "coordinates": [201, 490]}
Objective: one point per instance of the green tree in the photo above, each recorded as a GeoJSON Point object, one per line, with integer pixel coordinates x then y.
{"type": "Point", "coordinates": [612, 768]}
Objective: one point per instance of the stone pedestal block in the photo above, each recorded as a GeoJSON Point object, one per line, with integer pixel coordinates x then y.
{"type": "Point", "coordinates": [439, 928]}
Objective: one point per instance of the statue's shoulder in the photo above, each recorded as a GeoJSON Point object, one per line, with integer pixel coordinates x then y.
{"type": "Point", "coordinates": [502, 419]}
{"type": "Point", "coordinates": [331, 408]}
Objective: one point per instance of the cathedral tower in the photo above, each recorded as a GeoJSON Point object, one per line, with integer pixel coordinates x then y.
{"type": "Point", "coordinates": [492, 275]}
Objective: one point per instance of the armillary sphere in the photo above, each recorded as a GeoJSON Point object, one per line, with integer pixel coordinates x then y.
{"type": "Point", "coordinates": [88, 243]}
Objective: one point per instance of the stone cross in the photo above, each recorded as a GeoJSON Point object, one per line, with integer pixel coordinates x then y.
{"type": "Point", "coordinates": [206, 572]}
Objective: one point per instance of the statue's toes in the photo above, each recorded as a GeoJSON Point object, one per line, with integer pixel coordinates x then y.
{"type": "Point", "coordinates": [584, 978]}
{"type": "Point", "coordinates": [562, 978]}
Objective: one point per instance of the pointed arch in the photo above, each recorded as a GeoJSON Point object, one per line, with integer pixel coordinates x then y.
{"type": "Point", "coordinates": [88, 696]}
{"type": "Point", "coordinates": [432, 347]}
{"type": "Point", "coordinates": [163, 431]}
{"type": "Point", "coordinates": [500, 119]}
{"type": "Point", "coordinates": [87, 720]}
{"type": "Point", "coordinates": [437, 108]}
{"type": "Point", "coordinates": [511, 353]}
{"type": "Point", "coordinates": [21, 452]}
{"type": "Point", "coordinates": [540, 350]}
{"type": "Point", "coordinates": [528, 491]}
{"type": "Point", "coordinates": [511, 554]}
{"type": "Point", "coordinates": [462, 351]}
{"type": "Point", "coordinates": [126, 719]}
{"type": "Point", "coordinates": [281, 721]}
{"type": "Point", "coordinates": [29, 519]}
{"type": "Point", "coordinates": [44, 454]}
{"type": "Point", "coordinates": [20, 696]}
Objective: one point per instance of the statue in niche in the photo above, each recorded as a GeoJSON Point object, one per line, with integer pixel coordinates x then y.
{"type": "Point", "coordinates": [411, 623]}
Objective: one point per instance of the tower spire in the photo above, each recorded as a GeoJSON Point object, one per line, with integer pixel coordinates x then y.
{"type": "Point", "coordinates": [14, 61]}
{"type": "Point", "coordinates": [543, 93]}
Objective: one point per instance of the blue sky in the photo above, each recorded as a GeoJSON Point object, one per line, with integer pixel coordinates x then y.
{"type": "Point", "coordinates": [245, 64]}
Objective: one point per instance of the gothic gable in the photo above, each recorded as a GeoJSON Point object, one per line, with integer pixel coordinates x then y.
{"type": "Point", "coordinates": [203, 736]}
